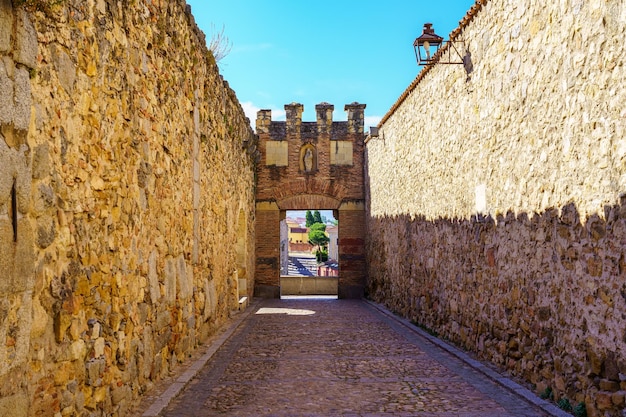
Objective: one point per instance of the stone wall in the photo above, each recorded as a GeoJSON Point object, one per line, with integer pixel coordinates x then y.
{"type": "Point", "coordinates": [126, 202]}
{"type": "Point", "coordinates": [311, 165]}
{"type": "Point", "coordinates": [502, 227]}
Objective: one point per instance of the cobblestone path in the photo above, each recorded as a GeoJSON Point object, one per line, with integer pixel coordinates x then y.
{"type": "Point", "coordinates": [338, 358]}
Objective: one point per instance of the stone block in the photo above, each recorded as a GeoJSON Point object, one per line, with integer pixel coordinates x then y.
{"type": "Point", "coordinates": [65, 67]}
{"type": "Point", "coordinates": [22, 99]}
{"type": "Point", "coordinates": [14, 405]}
{"type": "Point", "coordinates": [163, 319]}
{"type": "Point", "coordinates": [6, 25]}
{"type": "Point", "coordinates": [242, 286]}
{"type": "Point", "coordinates": [17, 256]}
{"type": "Point", "coordinates": [25, 41]}
{"type": "Point", "coordinates": [276, 153]}
{"type": "Point", "coordinates": [62, 322]}
{"type": "Point", "coordinates": [7, 173]}
{"type": "Point", "coordinates": [94, 370]}
{"type": "Point", "coordinates": [170, 280]}
{"type": "Point", "coordinates": [604, 400]}
{"type": "Point", "coordinates": [619, 399]}
{"type": "Point", "coordinates": [6, 93]}
{"type": "Point", "coordinates": [46, 231]}
{"type": "Point", "coordinates": [184, 279]}
{"type": "Point", "coordinates": [341, 152]}
{"type": "Point", "coordinates": [153, 278]}
{"type": "Point", "coordinates": [78, 350]}
{"type": "Point", "coordinates": [611, 366]}
{"type": "Point", "coordinates": [40, 319]}
{"type": "Point", "coordinates": [210, 304]}
{"type": "Point", "coordinates": [308, 285]}
{"type": "Point", "coordinates": [41, 161]}
{"type": "Point", "coordinates": [162, 339]}
{"type": "Point", "coordinates": [608, 385]}
{"type": "Point", "coordinates": [119, 394]}
{"type": "Point", "coordinates": [23, 178]}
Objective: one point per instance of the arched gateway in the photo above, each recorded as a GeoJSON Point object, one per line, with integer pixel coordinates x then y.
{"type": "Point", "coordinates": [311, 165]}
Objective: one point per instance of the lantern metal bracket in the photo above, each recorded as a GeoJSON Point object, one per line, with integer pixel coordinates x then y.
{"type": "Point", "coordinates": [431, 49]}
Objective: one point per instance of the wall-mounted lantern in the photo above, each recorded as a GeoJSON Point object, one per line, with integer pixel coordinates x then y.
{"type": "Point", "coordinates": [428, 45]}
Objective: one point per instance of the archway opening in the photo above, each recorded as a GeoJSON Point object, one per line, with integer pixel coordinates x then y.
{"type": "Point", "coordinates": [309, 252]}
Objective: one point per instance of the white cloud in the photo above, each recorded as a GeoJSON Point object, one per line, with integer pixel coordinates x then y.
{"type": "Point", "coordinates": [371, 121]}
{"type": "Point", "coordinates": [250, 109]}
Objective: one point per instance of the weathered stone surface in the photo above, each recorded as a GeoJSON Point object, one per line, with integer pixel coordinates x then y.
{"type": "Point", "coordinates": [41, 161]}
{"type": "Point", "coordinates": [15, 405]}
{"type": "Point", "coordinates": [184, 279]}
{"type": "Point", "coordinates": [6, 94]}
{"type": "Point", "coordinates": [210, 304]}
{"type": "Point", "coordinates": [155, 292]}
{"type": "Point", "coordinates": [65, 68]}
{"type": "Point", "coordinates": [25, 40]}
{"type": "Point", "coordinates": [170, 280]}
{"type": "Point", "coordinates": [22, 99]}
{"type": "Point", "coordinates": [7, 174]}
{"type": "Point", "coordinates": [46, 233]}
{"type": "Point", "coordinates": [99, 290]}
{"type": "Point", "coordinates": [6, 25]}
{"type": "Point", "coordinates": [507, 186]}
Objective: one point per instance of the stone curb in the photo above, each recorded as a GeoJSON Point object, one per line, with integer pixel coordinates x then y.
{"type": "Point", "coordinates": [507, 383]}
{"type": "Point", "coordinates": [183, 379]}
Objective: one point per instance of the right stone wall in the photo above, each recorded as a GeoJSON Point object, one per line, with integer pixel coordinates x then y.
{"type": "Point", "coordinates": [503, 225]}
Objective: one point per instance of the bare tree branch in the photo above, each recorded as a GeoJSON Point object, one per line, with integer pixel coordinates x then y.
{"type": "Point", "coordinates": [220, 45]}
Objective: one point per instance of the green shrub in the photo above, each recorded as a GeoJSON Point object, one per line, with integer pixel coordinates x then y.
{"type": "Point", "coordinates": [580, 410]}
{"type": "Point", "coordinates": [564, 404]}
{"type": "Point", "coordinates": [547, 394]}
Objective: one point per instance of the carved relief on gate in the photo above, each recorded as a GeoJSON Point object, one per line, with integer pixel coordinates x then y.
{"type": "Point", "coordinates": [308, 158]}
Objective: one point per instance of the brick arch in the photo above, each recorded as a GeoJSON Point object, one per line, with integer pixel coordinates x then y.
{"type": "Point", "coordinates": [312, 186]}
{"type": "Point", "coordinates": [308, 201]}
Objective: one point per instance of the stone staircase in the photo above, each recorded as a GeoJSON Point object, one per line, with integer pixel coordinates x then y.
{"type": "Point", "coordinates": [302, 266]}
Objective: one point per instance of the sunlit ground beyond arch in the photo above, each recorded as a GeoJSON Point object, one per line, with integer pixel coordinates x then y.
{"type": "Point", "coordinates": [295, 311]}
{"type": "Point", "coordinates": [285, 311]}
{"type": "Point", "coordinates": [309, 297]}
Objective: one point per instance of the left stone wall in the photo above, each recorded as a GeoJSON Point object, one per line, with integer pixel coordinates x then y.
{"type": "Point", "coordinates": [126, 202]}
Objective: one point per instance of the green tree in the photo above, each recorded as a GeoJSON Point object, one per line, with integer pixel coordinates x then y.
{"type": "Point", "coordinates": [317, 218]}
{"type": "Point", "coordinates": [318, 238]}
{"type": "Point", "coordinates": [317, 226]}
{"type": "Point", "coordinates": [309, 218]}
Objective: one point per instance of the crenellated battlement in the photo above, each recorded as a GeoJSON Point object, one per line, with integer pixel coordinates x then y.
{"type": "Point", "coordinates": [294, 126]}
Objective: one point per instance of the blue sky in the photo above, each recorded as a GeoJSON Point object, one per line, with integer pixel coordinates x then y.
{"type": "Point", "coordinates": [335, 51]}
{"type": "Point", "coordinates": [293, 214]}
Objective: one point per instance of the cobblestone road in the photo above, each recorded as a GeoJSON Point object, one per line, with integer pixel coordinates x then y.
{"type": "Point", "coordinates": [338, 358]}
